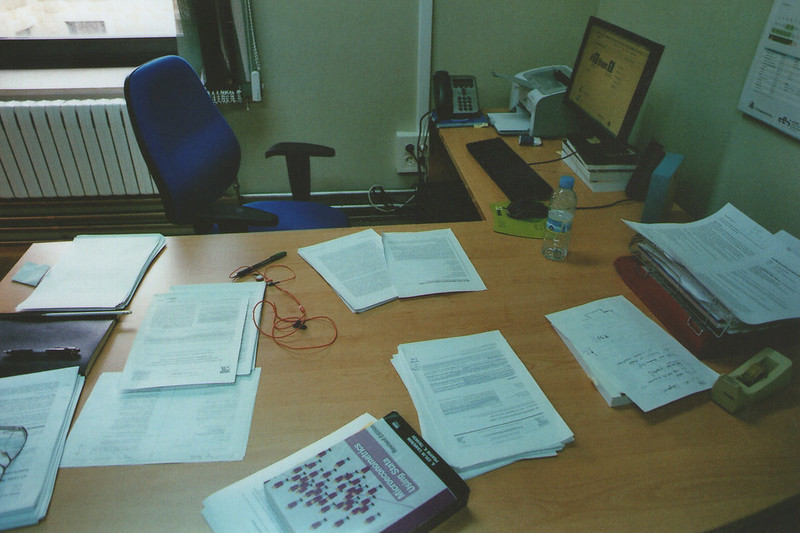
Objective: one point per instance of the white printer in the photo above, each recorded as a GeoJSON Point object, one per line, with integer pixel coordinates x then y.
{"type": "Point", "coordinates": [537, 104]}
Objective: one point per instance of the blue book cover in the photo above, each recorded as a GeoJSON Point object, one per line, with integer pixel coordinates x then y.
{"type": "Point", "coordinates": [659, 193]}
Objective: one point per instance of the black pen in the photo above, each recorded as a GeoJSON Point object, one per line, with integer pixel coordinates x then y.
{"type": "Point", "coordinates": [247, 270]}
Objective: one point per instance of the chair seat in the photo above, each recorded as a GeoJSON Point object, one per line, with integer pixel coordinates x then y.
{"type": "Point", "coordinates": [300, 215]}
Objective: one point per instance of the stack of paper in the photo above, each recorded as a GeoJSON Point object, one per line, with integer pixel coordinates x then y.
{"type": "Point", "coordinates": [195, 335]}
{"type": "Point", "coordinates": [478, 405]}
{"type": "Point", "coordinates": [366, 270]}
{"type": "Point", "coordinates": [735, 273]}
{"type": "Point", "coordinates": [598, 177]}
{"type": "Point", "coordinates": [97, 273]}
{"type": "Point", "coordinates": [175, 425]}
{"type": "Point", "coordinates": [628, 356]}
{"type": "Point", "coordinates": [27, 485]}
{"type": "Point", "coordinates": [188, 388]}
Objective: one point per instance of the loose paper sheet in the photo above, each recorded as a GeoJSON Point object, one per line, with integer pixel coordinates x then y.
{"type": "Point", "coordinates": [179, 425]}
{"type": "Point", "coordinates": [187, 338]}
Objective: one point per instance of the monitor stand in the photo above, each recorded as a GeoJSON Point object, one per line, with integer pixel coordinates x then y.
{"type": "Point", "coordinates": [596, 151]}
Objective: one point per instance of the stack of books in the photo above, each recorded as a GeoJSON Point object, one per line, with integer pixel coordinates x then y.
{"type": "Point", "coordinates": [598, 176]}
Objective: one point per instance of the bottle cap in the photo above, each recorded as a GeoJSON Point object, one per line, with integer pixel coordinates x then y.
{"type": "Point", "coordinates": [566, 182]}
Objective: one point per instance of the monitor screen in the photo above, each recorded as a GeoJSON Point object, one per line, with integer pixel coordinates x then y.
{"type": "Point", "coordinates": [611, 76]}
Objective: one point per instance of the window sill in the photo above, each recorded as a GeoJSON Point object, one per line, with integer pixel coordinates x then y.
{"type": "Point", "coordinates": [62, 83]}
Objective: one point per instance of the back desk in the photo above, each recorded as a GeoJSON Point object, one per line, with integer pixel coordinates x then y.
{"type": "Point", "coordinates": [686, 466]}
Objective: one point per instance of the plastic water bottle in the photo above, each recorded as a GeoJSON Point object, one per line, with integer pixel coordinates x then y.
{"type": "Point", "coordinates": [559, 220]}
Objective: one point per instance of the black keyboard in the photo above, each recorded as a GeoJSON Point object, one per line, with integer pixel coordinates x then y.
{"type": "Point", "coordinates": [509, 171]}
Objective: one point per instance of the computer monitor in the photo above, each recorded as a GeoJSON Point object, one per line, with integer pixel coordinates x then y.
{"type": "Point", "coordinates": [609, 81]}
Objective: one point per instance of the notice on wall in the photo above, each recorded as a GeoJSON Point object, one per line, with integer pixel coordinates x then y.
{"type": "Point", "coordinates": [772, 90]}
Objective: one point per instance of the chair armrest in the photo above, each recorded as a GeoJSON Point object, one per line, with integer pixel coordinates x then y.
{"type": "Point", "coordinates": [300, 149]}
{"type": "Point", "coordinates": [298, 164]}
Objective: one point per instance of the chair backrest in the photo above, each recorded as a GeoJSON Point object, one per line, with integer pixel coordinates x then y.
{"type": "Point", "coordinates": [190, 150]}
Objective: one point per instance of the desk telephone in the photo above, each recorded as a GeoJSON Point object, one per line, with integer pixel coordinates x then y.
{"type": "Point", "coordinates": [455, 96]}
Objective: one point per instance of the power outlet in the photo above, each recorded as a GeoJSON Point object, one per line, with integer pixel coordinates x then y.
{"type": "Point", "coordinates": [404, 161]}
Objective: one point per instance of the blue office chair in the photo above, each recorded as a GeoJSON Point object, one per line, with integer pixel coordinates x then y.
{"type": "Point", "coordinates": [194, 157]}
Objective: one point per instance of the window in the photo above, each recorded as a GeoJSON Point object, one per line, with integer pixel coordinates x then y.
{"type": "Point", "coordinates": [36, 34]}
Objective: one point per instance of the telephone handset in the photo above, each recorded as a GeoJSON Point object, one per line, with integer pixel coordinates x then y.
{"type": "Point", "coordinates": [455, 96]}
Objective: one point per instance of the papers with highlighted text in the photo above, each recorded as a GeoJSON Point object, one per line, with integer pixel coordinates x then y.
{"type": "Point", "coordinates": [367, 270]}
{"type": "Point", "coordinates": [626, 353]}
{"type": "Point", "coordinates": [478, 405]}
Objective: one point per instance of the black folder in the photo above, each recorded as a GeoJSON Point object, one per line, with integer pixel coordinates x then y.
{"type": "Point", "coordinates": [34, 344]}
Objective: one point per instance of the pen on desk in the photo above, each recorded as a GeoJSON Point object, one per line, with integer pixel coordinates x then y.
{"type": "Point", "coordinates": [65, 314]}
{"type": "Point", "coordinates": [247, 270]}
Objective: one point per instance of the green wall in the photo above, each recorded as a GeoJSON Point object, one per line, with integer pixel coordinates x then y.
{"type": "Point", "coordinates": [692, 107]}
{"type": "Point", "coordinates": [343, 73]}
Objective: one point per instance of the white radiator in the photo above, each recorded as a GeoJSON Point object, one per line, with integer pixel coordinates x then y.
{"type": "Point", "coordinates": [70, 148]}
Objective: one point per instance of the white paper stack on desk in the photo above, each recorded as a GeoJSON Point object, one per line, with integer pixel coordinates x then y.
{"type": "Point", "coordinates": [195, 335]}
{"type": "Point", "coordinates": [478, 405]}
{"type": "Point", "coordinates": [732, 274]}
{"type": "Point", "coordinates": [27, 485]}
{"type": "Point", "coordinates": [96, 273]}
{"type": "Point", "coordinates": [628, 356]}
{"type": "Point", "coordinates": [367, 270]}
{"type": "Point", "coordinates": [188, 389]}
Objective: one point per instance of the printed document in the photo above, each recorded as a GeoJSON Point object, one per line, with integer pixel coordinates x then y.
{"type": "Point", "coordinates": [355, 268]}
{"type": "Point", "coordinates": [429, 262]}
{"type": "Point", "coordinates": [478, 405]}
{"type": "Point", "coordinates": [43, 403]}
{"type": "Point", "coordinates": [367, 270]}
{"type": "Point", "coordinates": [623, 351]}
{"type": "Point", "coordinates": [254, 291]}
{"type": "Point", "coordinates": [96, 273]}
{"type": "Point", "coordinates": [743, 265]}
{"type": "Point", "coordinates": [178, 425]}
{"type": "Point", "coordinates": [187, 338]}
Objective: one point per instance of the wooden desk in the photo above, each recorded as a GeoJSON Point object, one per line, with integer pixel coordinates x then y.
{"type": "Point", "coordinates": [688, 466]}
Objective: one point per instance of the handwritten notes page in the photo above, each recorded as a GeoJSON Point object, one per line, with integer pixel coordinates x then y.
{"type": "Point", "coordinates": [623, 350]}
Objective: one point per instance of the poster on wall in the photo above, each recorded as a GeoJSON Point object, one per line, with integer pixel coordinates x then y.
{"type": "Point", "coordinates": [772, 90]}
